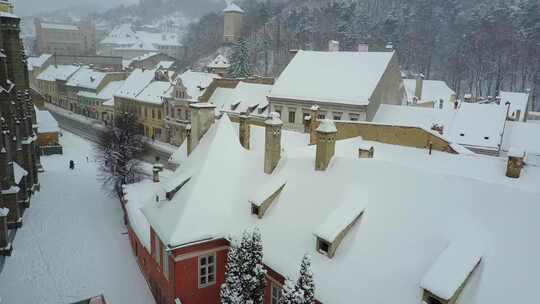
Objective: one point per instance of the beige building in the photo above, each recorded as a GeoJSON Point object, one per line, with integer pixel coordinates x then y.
{"type": "Point", "coordinates": [6, 6]}
{"type": "Point", "coordinates": [51, 83]}
{"type": "Point", "coordinates": [232, 27]}
{"type": "Point", "coordinates": [343, 85]}
{"type": "Point", "coordinates": [188, 89]}
{"type": "Point", "coordinates": [65, 39]}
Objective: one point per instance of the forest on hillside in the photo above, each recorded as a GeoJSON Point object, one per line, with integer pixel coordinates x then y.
{"type": "Point", "coordinates": [478, 47]}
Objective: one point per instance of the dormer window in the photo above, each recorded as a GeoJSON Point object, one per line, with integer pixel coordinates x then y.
{"type": "Point", "coordinates": [235, 105]}
{"type": "Point", "coordinates": [323, 246]}
{"type": "Point", "coordinates": [264, 197]}
{"type": "Point", "coordinates": [337, 224]}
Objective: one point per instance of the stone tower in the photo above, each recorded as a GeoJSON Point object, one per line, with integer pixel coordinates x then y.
{"type": "Point", "coordinates": [272, 144]}
{"type": "Point", "coordinates": [232, 27]}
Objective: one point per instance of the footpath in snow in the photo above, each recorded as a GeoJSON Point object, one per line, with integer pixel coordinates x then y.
{"type": "Point", "coordinates": [73, 244]}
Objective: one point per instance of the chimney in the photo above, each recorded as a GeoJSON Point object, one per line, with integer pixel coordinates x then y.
{"type": "Point", "coordinates": [333, 46]}
{"type": "Point", "coordinates": [244, 131]}
{"type": "Point", "coordinates": [419, 86]}
{"type": "Point", "coordinates": [326, 147]}
{"type": "Point", "coordinates": [202, 118]}
{"type": "Point", "coordinates": [188, 140]}
{"type": "Point", "coordinates": [516, 161]}
{"type": "Point", "coordinates": [5, 244]}
{"type": "Point", "coordinates": [155, 172]}
{"type": "Point", "coordinates": [363, 47]}
{"type": "Point", "coordinates": [313, 124]}
{"type": "Point", "coordinates": [272, 144]}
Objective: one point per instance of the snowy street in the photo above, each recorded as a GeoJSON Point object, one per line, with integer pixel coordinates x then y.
{"type": "Point", "coordinates": [73, 244]}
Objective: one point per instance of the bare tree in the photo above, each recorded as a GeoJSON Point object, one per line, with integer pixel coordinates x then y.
{"type": "Point", "coordinates": [119, 149]}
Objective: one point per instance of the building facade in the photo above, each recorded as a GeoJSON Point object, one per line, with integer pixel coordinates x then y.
{"type": "Point", "coordinates": [65, 39]}
{"type": "Point", "coordinates": [19, 156]}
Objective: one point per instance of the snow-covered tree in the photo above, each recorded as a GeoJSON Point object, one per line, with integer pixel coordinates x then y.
{"type": "Point", "coordinates": [252, 269]}
{"type": "Point", "coordinates": [239, 60]}
{"type": "Point", "coordinates": [305, 281]}
{"type": "Point", "coordinates": [119, 148]}
{"type": "Point", "coordinates": [231, 291]}
{"type": "Point", "coordinates": [291, 294]}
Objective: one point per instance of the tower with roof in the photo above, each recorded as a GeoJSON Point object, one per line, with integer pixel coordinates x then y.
{"type": "Point", "coordinates": [232, 26]}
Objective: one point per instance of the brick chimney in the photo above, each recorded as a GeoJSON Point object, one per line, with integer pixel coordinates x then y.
{"type": "Point", "coordinates": [419, 86]}
{"type": "Point", "coordinates": [244, 131]}
{"type": "Point", "coordinates": [313, 124]}
{"type": "Point", "coordinates": [189, 147]}
{"type": "Point", "coordinates": [202, 118]}
{"type": "Point", "coordinates": [5, 244]}
{"type": "Point", "coordinates": [326, 147]}
{"type": "Point", "coordinates": [272, 144]}
{"type": "Point", "coordinates": [333, 46]}
{"type": "Point", "coordinates": [516, 161]}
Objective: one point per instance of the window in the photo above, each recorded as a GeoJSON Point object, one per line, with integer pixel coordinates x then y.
{"type": "Point", "coordinates": [322, 246]}
{"type": "Point", "coordinates": [145, 112]}
{"type": "Point", "coordinates": [322, 116]}
{"type": "Point", "coordinates": [432, 300]}
{"type": "Point", "coordinates": [153, 114]}
{"type": "Point", "coordinates": [157, 252]}
{"type": "Point", "coordinates": [292, 115]}
{"type": "Point", "coordinates": [165, 264]}
{"type": "Point", "coordinates": [207, 270]}
{"type": "Point", "coordinates": [179, 113]}
{"type": "Point", "coordinates": [276, 294]}
{"type": "Point", "coordinates": [337, 117]}
{"type": "Point", "coordinates": [159, 114]}
{"type": "Point", "coordinates": [354, 117]}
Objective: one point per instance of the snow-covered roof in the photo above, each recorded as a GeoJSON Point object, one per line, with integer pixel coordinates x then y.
{"type": "Point", "coordinates": [474, 125]}
{"type": "Point", "coordinates": [46, 122]}
{"type": "Point", "coordinates": [139, 46]}
{"type": "Point", "coordinates": [336, 77]}
{"type": "Point", "coordinates": [220, 62]}
{"type": "Point", "coordinates": [154, 92]}
{"type": "Point", "coordinates": [407, 224]}
{"type": "Point", "coordinates": [135, 83]}
{"type": "Point", "coordinates": [451, 269]}
{"type": "Point", "coordinates": [59, 72]}
{"type": "Point", "coordinates": [522, 134]}
{"type": "Point", "coordinates": [232, 7]}
{"type": "Point", "coordinates": [159, 39]}
{"type": "Point", "coordinates": [196, 82]}
{"type": "Point", "coordinates": [165, 64]}
{"type": "Point", "coordinates": [432, 90]}
{"type": "Point", "coordinates": [59, 26]}
{"type": "Point", "coordinates": [37, 62]}
{"type": "Point", "coordinates": [518, 101]}
{"type": "Point", "coordinates": [261, 194]}
{"type": "Point", "coordinates": [108, 91]}
{"type": "Point", "coordinates": [245, 97]}
{"type": "Point", "coordinates": [121, 35]}
{"type": "Point", "coordinates": [145, 56]}
{"type": "Point", "coordinates": [8, 15]}
{"type": "Point", "coordinates": [86, 78]}
{"type": "Point", "coordinates": [19, 172]}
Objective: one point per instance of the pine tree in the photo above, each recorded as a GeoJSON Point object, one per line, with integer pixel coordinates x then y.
{"type": "Point", "coordinates": [231, 292]}
{"type": "Point", "coordinates": [290, 294]}
{"type": "Point", "coordinates": [252, 269]}
{"type": "Point", "coordinates": [305, 281]}
{"type": "Point", "coordinates": [239, 61]}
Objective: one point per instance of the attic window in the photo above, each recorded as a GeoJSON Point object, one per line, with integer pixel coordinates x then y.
{"type": "Point", "coordinates": [486, 137]}
{"type": "Point", "coordinates": [461, 134]}
{"type": "Point", "coordinates": [264, 197]}
{"type": "Point", "coordinates": [433, 300]}
{"type": "Point", "coordinates": [262, 109]}
{"type": "Point", "coordinates": [337, 224]}
{"type": "Point", "coordinates": [323, 246]}
{"type": "Point", "coordinates": [175, 184]}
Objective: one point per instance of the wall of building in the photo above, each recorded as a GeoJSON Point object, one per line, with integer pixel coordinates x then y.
{"type": "Point", "coordinates": [101, 62]}
{"type": "Point", "coordinates": [66, 41]}
{"type": "Point", "coordinates": [390, 89]}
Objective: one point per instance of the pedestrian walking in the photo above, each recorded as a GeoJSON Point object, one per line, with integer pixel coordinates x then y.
{"type": "Point", "coordinates": [71, 164]}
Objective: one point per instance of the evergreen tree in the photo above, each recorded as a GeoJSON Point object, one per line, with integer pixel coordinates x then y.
{"type": "Point", "coordinates": [231, 292]}
{"type": "Point", "coordinates": [305, 281]}
{"type": "Point", "coordinates": [252, 279]}
{"type": "Point", "coordinates": [290, 294]}
{"type": "Point", "coordinates": [239, 61]}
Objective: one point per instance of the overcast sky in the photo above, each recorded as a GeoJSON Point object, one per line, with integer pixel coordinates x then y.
{"type": "Point", "coordinates": [30, 7]}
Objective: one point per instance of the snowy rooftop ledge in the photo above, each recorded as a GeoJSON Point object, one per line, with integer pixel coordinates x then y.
{"type": "Point", "coordinates": [452, 268]}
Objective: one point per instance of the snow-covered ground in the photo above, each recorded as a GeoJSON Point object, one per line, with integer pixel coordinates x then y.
{"type": "Point", "coordinates": [73, 243]}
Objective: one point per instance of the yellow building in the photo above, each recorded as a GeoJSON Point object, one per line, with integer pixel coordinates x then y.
{"type": "Point", "coordinates": [6, 6]}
